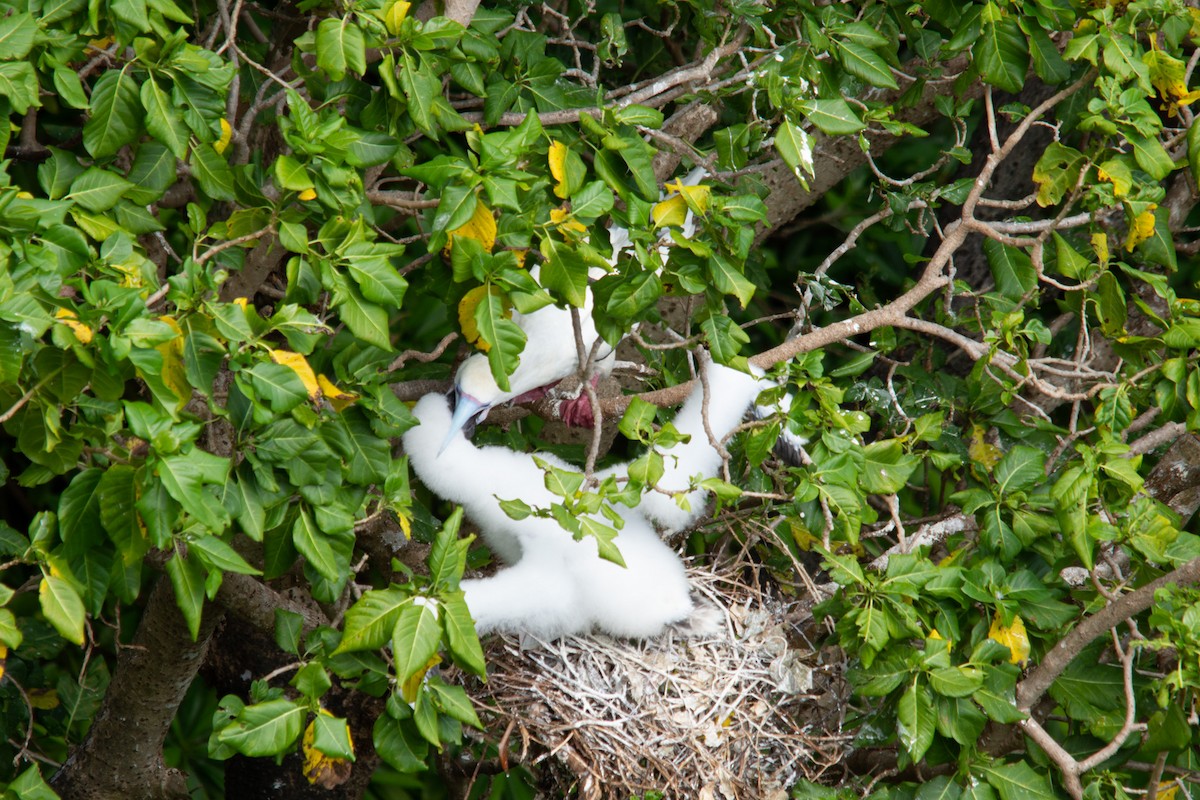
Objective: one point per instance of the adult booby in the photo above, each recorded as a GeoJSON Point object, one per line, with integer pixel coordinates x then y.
{"type": "Point", "coordinates": [553, 585]}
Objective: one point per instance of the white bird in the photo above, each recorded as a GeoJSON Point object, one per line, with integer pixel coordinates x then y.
{"type": "Point", "coordinates": [553, 585]}
{"type": "Point", "coordinates": [551, 353]}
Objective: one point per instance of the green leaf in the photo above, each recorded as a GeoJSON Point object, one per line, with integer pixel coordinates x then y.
{"type": "Point", "coordinates": [290, 174]}
{"type": "Point", "coordinates": [453, 702]}
{"type": "Point", "coordinates": [17, 32]}
{"type": "Point", "coordinates": [379, 281]}
{"type": "Point", "coordinates": [314, 546]}
{"type": "Point", "coordinates": [1018, 781]}
{"type": "Point", "coordinates": [455, 207]}
{"type": "Point", "coordinates": [163, 120]}
{"type": "Point", "coordinates": [187, 579]}
{"type": "Point", "coordinates": [212, 171]}
{"type": "Point", "coordinates": [416, 636]}
{"type": "Point", "coordinates": [448, 556]}
{"type": "Point", "coordinates": [289, 627]}
{"type": "Point", "coordinates": [640, 115]}
{"type": "Point", "coordinates": [372, 149]}
{"type": "Point", "coordinates": [184, 477]}
{"type": "Point", "coordinates": [98, 189]}
{"type": "Point", "coordinates": [63, 607]}
{"type": "Point", "coordinates": [505, 337]}
{"type": "Point", "coordinates": [153, 171]}
{"type": "Point", "coordinates": [886, 468]}
{"type": "Point", "coordinates": [278, 386]}
{"type": "Point", "coordinates": [264, 729]}
{"type": "Point", "coordinates": [725, 338]}
{"type": "Point", "coordinates": [460, 633]}
{"type": "Point", "coordinates": [564, 272]}
{"type": "Point", "coordinates": [30, 785]}
{"type": "Point", "coordinates": [833, 117]}
{"type": "Point", "coordinates": [729, 280]}
{"type": "Point", "coordinates": [864, 62]}
{"type": "Point", "coordinates": [916, 720]}
{"type": "Point", "coordinates": [118, 493]}
{"type": "Point", "coordinates": [1002, 54]}
{"type": "Point", "coordinates": [1056, 173]}
{"type": "Point", "coordinates": [997, 698]}
{"type": "Point", "coordinates": [19, 83]}
{"type": "Point", "coordinates": [1047, 62]}
{"type": "Point", "coordinates": [116, 113]}
{"type": "Point", "coordinates": [593, 200]}
{"type": "Point", "coordinates": [367, 321]}
{"type": "Point", "coordinates": [79, 512]}
{"type": "Point", "coordinates": [217, 554]}
{"type": "Point", "coordinates": [331, 736]}
{"type": "Point", "coordinates": [402, 751]}
{"type": "Point", "coordinates": [1150, 155]}
{"type": "Point", "coordinates": [367, 456]}
{"type": "Point", "coordinates": [956, 681]}
{"type": "Point", "coordinates": [370, 621]}
{"type": "Point", "coordinates": [1020, 469]}
{"type": "Point", "coordinates": [1012, 268]}
{"type": "Point", "coordinates": [605, 536]}
{"type": "Point", "coordinates": [340, 46]}
{"type": "Point", "coordinates": [312, 680]}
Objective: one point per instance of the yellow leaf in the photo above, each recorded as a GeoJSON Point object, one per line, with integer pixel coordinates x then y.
{"type": "Point", "coordinates": [1014, 637]}
{"type": "Point", "coordinates": [561, 218]}
{"type": "Point", "coordinates": [981, 451]}
{"type": "Point", "coordinates": [174, 374]}
{"type": "Point", "coordinates": [44, 699]}
{"type": "Point", "coordinates": [299, 365]}
{"type": "Point", "coordinates": [3, 658]}
{"type": "Point", "coordinates": [222, 144]}
{"type": "Point", "coordinates": [696, 197]}
{"type": "Point", "coordinates": [933, 634]}
{"type": "Point", "coordinates": [1100, 245]}
{"type": "Point", "coordinates": [405, 520]}
{"type": "Point", "coordinates": [1168, 791]}
{"type": "Point", "coordinates": [320, 769]}
{"type": "Point", "coordinates": [558, 168]}
{"type": "Point", "coordinates": [409, 689]}
{"type": "Point", "coordinates": [336, 397]}
{"type": "Point", "coordinates": [307, 194]}
{"type": "Point", "coordinates": [1118, 174]}
{"type": "Point", "coordinates": [241, 302]}
{"type": "Point", "coordinates": [466, 316]}
{"type": "Point", "coordinates": [481, 227]}
{"type": "Point", "coordinates": [672, 211]}
{"type": "Point", "coordinates": [394, 14]}
{"type": "Point", "coordinates": [1141, 229]}
{"type": "Point", "coordinates": [68, 317]}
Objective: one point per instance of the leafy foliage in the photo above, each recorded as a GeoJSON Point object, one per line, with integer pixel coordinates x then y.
{"type": "Point", "coordinates": [219, 229]}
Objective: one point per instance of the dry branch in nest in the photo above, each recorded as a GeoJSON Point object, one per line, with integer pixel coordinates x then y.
{"type": "Point", "coordinates": [741, 713]}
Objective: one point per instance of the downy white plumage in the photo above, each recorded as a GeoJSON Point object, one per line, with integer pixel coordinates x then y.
{"type": "Point", "coordinates": [554, 586]}
{"type": "Point", "coordinates": [551, 353]}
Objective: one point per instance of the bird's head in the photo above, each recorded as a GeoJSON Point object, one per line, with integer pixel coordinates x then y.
{"type": "Point", "coordinates": [475, 392]}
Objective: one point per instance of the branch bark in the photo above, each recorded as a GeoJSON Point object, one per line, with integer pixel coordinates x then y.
{"type": "Point", "coordinates": [122, 754]}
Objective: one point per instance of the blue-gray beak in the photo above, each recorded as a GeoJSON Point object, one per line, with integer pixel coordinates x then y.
{"type": "Point", "coordinates": [466, 408]}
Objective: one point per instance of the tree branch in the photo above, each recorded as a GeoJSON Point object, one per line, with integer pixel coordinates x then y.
{"type": "Point", "coordinates": [122, 754]}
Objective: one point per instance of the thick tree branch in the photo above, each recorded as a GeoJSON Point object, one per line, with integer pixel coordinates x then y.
{"type": "Point", "coordinates": [122, 754]}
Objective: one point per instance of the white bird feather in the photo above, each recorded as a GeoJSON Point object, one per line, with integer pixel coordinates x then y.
{"type": "Point", "coordinates": [553, 585]}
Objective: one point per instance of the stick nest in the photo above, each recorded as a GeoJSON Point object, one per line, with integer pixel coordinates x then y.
{"type": "Point", "coordinates": [744, 712]}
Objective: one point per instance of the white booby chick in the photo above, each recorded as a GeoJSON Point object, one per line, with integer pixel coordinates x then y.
{"type": "Point", "coordinates": [553, 585]}
{"type": "Point", "coordinates": [550, 353]}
